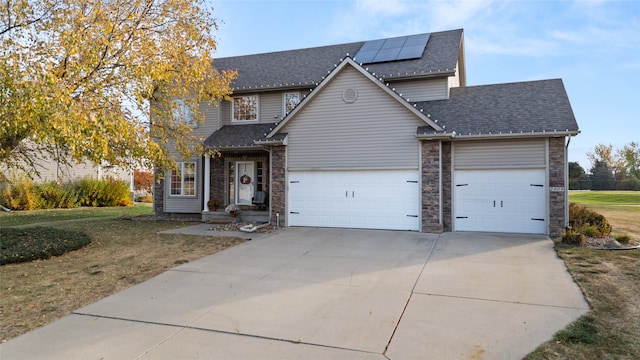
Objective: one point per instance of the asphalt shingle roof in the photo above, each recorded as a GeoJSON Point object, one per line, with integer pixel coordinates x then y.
{"type": "Point", "coordinates": [230, 136]}
{"type": "Point", "coordinates": [532, 106]}
{"type": "Point", "coordinates": [306, 67]}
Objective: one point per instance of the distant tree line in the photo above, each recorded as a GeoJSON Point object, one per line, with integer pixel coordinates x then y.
{"type": "Point", "coordinates": [611, 169]}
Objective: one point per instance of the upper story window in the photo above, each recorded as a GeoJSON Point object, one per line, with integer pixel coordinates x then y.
{"type": "Point", "coordinates": [245, 108]}
{"type": "Point", "coordinates": [289, 101]}
{"type": "Point", "coordinates": [183, 114]}
{"type": "Point", "coordinates": [183, 179]}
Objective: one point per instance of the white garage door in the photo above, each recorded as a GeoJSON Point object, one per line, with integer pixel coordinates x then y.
{"type": "Point", "coordinates": [355, 199]}
{"type": "Point", "coordinates": [500, 201]}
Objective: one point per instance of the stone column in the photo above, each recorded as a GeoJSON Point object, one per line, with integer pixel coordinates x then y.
{"type": "Point", "coordinates": [207, 182]}
{"type": "Point", "coordinates": [557, 187]}
{"type": "Point", "coordinates": [278, 184]}
{"type": "Point", "coordinates": [158, 192]}
{"type": "Point", "coordinates": [431, 183]}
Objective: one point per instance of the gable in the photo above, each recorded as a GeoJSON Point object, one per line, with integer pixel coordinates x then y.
{"type": "Point", "coordinates": [374, 131]}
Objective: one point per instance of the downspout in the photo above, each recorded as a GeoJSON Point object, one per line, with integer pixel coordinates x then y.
{"type": "Point", "coordinates": [566, 183]}
{"type": "Point", "coordinates": [206, 188]}
{"type": "Point", "coordinates": [268, 149]}
{"type": "Point", "coordinates": [440, 183]}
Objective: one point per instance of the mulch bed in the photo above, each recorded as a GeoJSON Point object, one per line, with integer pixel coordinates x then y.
{"type": "Point", "coordinates": [236, 227]}
{"type": "Point", "coordinates": [609, 243]}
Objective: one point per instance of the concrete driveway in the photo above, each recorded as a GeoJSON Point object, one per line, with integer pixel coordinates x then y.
{"type": "Point", "coordinates": [331, 293]}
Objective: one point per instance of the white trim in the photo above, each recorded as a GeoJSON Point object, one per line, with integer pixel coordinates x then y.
{"type": "Point", "coordinates": [195, 181]}
{"type": "Point", "coordinates": [233, 119]}
{"type": "Point", "coordinates": [284, 101]}
{"type": "Point", "coordinates": [207, 182]}
{"type": "Point", "coordinates": [547, 195]}
{"type": "Point", "coordinates": [374, 80]}
{"type": "Point", "coordinates": [237, 179]}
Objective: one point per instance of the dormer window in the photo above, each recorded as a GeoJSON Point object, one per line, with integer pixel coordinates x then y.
{"type": "Point", "coordinates": [245, 108]}
{"type": "Point", "coordinates": [289, 101]}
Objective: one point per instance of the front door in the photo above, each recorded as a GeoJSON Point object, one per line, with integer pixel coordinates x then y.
{"type": "Point", "coordinates": [245, 178]}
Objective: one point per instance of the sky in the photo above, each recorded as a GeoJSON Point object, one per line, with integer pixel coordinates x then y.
{"type": "Point", "coordinates": [592, 45]}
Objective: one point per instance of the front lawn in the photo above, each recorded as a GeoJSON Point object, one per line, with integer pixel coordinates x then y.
{"type": "Point", "coordinates": [605, 197]}
{"type": "Point", "coordinates": [610, 281]}
{"type": "Point", "coordinates": [122, 253]}
{"type": "Point", "coordinates": [43, 217]}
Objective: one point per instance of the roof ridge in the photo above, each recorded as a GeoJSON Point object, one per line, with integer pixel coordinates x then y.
{"type": "Point", "coordinates": [352, 43]}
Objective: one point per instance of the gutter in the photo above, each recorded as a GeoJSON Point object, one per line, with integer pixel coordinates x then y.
{"type": "Point", "coordinates": [313, 84]}
{"type": "Point", "coordinates": [453, 134]}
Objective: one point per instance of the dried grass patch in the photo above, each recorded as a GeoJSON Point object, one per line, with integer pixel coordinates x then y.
{"type": "Point", "coordinates": [122, 253]}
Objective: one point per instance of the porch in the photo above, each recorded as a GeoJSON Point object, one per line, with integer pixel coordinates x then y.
{"type": "Point", "coordinates": [245, 215]}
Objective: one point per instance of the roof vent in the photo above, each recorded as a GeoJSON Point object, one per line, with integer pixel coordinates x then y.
{"type": "Point", "coordinates": [349, 95]}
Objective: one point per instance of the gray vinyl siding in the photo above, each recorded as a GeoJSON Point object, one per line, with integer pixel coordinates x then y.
{"type": "Point", "coordinates": [184, 204]}
{"type": "Point", "coordinates": [422, 90]}
{"type": "Point", "coordinates": [50, 170]}
{"type": "Point", "coordinates": [211, 120]}
{"type": "Point", "coordinates": [270, 107]}
{"type": "Point", "coordinates": [500, 154]}
{"type": "Point", "coordinates": [374, 132]}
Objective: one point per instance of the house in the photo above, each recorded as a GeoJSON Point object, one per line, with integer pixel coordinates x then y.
{"type": "Point", "coordinates": [382, 134]}
{"type": "Point", "coordinates": [47, 168]}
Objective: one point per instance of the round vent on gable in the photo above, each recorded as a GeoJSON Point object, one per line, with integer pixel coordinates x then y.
{"type": "Point", "coordinates": [349, 95]}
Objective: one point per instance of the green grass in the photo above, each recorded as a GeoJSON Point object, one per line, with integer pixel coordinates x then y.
{"type": "Point", "coordinates": [605, 197]}
{"type": "Point", "coordinates": [38, 243]}
{"type": "Point", "coordinates": [35, 217]}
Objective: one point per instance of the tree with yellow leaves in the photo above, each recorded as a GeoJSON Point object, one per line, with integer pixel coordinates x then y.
{"type": "Point", "coordinates": [77, 78]}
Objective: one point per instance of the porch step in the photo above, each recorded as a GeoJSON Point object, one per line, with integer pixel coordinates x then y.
{"type": "Point", "coordinates": [221, 217]}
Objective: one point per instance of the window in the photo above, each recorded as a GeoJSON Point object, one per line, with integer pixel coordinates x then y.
{"type": "Point", "coordinates": [183, 179]}
{"type": "Point", "coordinates": [245, 108]}
{"type": "Point", "coordinates": [290, 100]}
{"type": "Point", "coordinates": [259, 176]}
{"type": "Point", "coordinates": [183, 114]}
{"type": "Point", "coordinates": [232, 183]}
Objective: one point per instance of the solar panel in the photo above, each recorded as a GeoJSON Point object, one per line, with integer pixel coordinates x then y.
{"type": "Point", "coordinates": [392, 49]}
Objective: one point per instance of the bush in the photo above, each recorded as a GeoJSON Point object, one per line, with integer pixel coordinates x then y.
{"type": "Point", "coordinates": [588, 222]}
{"type": "Point", "coordinates": [56, 196]}
{"type": "Point", "coordinates": [573, 237]}
{"type": "Point", "coordinates": [632, 184]}
{"type": "Point", "coordinates": [22, 245]}
{"type": "Point", "coordinates": [19, 193]}
{"type": "Point", "coordinates": [590, 231]}
{"type": "Point", "coordinates": [22, 194]}
{"type": "Point", "coordinates": [623, 238]}
{"type": "Point", "coordinates": [146, 199]}
{"type": "Point", "coordinates": [108, 192]}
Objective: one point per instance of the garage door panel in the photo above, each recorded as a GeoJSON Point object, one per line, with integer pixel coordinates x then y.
{"type": "Point", "coordinates": [500, 200]}
{"type": "Point", "coordinates": [355, 199]}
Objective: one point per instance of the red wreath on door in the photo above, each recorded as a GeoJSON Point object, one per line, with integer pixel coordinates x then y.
{"type": "Point", "coordinates": [245, 180]}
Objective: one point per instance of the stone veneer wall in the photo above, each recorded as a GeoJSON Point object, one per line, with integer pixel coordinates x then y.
{"type": "Point", "coordinates": [431, 187]}
{"type": "Point", "coordinates": [447, 196]}
{"type": "Point", "coordinates": [158, 192]}
{"type": "Point", "coordinates": [557, 221]}
{"type": "Point", "coordinates": [219, 186]}
{"type": "Point", "coordinates": [278, 183]}
{"type": "Point", "coordinates": [216, 180]}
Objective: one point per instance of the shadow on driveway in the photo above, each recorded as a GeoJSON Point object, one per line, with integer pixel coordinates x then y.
{"type": "Point", "coordinates": [331, 293]}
